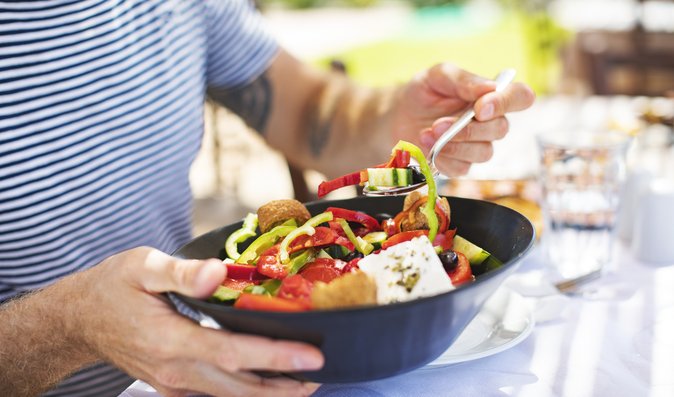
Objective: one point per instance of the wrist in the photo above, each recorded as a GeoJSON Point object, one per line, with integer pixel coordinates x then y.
{"type": "Point", "coordinates": [72, 317]}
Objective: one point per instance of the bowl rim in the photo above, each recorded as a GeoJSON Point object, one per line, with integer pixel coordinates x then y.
{"type": "Point", "coordinates": [358, 309]}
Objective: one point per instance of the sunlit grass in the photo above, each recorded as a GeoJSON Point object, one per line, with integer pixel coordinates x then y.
{"type": "Point", "coordinates": [483, 50]}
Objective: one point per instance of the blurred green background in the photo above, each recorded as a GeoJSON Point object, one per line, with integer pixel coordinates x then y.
{"type": "Point", "coordinates": [523, 37]}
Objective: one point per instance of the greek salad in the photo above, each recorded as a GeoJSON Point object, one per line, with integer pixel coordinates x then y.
{"type": "Point", "coordinates": [285, 259]}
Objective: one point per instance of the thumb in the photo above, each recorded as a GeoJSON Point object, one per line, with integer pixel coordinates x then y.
{"type": "Point", "coordinates": [195, 278]}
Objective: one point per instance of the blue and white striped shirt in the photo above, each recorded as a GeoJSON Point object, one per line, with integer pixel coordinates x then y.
{"type": "Point", "coordinates": [101, 108]}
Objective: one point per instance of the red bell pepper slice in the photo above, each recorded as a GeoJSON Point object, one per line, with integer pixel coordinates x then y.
{"type": "Point", "coordinates": [355, 216]}
{"type": "Point", "coordinates": [326, 187]}
{"type": "Point", "coordinates": [323, 269]}
{"type": "Point", "coordinates": [268, 303]}
{"type": "Point", "coordinates": [399, 159]}
{"type": "Point", "coordinates": [462, 273]}
{"type": "Point", "coordinates": [239, 271]}
{"type": "Point", "coordinates": [402, 237]}
{"type": "Point", "coordinates": [296, 288]}
{"type": "Point", "coordinates": [444, 240]}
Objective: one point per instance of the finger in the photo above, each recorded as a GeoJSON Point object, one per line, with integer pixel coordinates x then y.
{"type": "Point", "coordinates": [200, 378]}
{"type": "Point", "coordinates": [470, 152]}
{"type": "Point", "coordinates": [475, 131]}
{"type": "Point", "coordinates": [452, 167]}
{"type": "Point", "coordinates": [233, 352]}
{"type": "Point", "coordinates": [450, 80]}
{"type": "Point", "coordinates": [516, 96]}
{"type": "Point", "coordinates": [195, 278]}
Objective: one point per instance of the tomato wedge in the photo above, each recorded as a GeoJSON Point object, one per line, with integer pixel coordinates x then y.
{"type": "Point", "coordinates": [269, 263]}
{"type": "Point", "coordinates": [235, 284]}
{"type": "Point", "coordinates": [268, 303]}
{"type": "Point", "coordinates": [322, 236]}
{"type": "Point", "coordinates": [296, 288]}
{"type": "Point", "coordinates": [462, 273]}
{"type": "Point", "coordinates": [355, 216]}
{"type": "Point", "coordinates": [323, 269]}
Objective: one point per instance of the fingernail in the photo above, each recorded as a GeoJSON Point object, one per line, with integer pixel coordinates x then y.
{"type": "Point", "coordinates": [427, 140]}
{"type": "Point", "coordinates": [307, 362]}
{"type": "Point", "coordinates": [487, 111]}
{"type": "Point", "coordinates": [208, 272]}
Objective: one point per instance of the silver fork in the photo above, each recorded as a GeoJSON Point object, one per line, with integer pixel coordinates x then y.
{"type": "Point", "coordinates": [570, 286]}
{"type": "Point", "coordinates": [502, 80]}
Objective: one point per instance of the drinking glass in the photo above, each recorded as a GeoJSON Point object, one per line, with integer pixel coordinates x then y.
{"type": "Point", "coordinates": [581, 173]}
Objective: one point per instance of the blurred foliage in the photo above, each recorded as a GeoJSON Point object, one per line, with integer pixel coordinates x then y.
{"type": "Point", "coordinates": [528, 42]}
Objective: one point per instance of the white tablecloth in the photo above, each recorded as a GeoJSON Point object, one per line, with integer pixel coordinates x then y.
{"type": "Point", "coordinates": [618, 342]}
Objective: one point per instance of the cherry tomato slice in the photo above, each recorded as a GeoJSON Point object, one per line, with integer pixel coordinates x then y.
{"type": "Point", "coordinates": [462, 273]}
{"type": "Point", "coordinates": [322, 236]}
{"type": "Point", "coordinates": [235, 284]}
{"type": "Point", "coordinates": [269, 263]}
{"type": "Point", "coordinates": [323, 269]}
{"type": "Point", "coordinates": [296, 288]}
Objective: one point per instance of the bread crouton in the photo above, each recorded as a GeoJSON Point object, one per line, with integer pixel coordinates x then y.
{"type": "Point", "coordinates": [276, 212]}
{"type": "Point", "coordinates": [349, 290]}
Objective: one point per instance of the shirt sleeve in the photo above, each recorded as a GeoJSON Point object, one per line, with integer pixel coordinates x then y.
{"type": "Point", "coordinates": [239, 46]}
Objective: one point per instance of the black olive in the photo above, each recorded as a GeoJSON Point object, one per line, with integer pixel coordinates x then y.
{"type": "Point", "coordinates": [417, 176]}
{"type": "Point", "coordinates": [449, 260]}
{"type": "Point", "coordinates": [352, 255]}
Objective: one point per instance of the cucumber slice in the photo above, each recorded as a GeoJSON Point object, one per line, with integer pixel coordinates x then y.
{"type": "Point", "coordinates": [389, 177]}
{"type": "Point", "coordinates": [475, 254]}
{"type": "Point", "coordinates": [375, 238]}
{"type": "Point", "coordinates": [480, 260]}
{"type": "Point", "coordinates": [225, 294]}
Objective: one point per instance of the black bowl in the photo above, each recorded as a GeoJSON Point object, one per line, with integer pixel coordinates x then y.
{"type": "Point", "coordinates": [370, 343]}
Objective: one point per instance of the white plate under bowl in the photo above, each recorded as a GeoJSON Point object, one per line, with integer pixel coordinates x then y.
{"type": "Point", "coordinates": [505, 320]}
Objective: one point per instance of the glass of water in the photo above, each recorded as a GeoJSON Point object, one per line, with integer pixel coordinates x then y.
{"type": "Point", "coordinates": [581, 174]}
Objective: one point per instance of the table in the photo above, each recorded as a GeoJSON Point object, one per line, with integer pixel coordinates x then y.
{"type": "Point", "coordinates": [618, 343]}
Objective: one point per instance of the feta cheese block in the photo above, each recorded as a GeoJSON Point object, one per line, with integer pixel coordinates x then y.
{"type": "Point", "coordinates": [406, 271]}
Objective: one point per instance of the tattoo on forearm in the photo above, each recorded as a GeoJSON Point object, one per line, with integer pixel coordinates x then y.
{"type": "Point", "coordinates": [319, 132]}
{"type": "Point", "coordinates": [322, 119]}
{"type": "Point", "coordinates": [251, 102]}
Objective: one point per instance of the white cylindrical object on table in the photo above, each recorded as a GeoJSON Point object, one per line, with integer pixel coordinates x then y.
{"type": "Point", "coordinates": [653, 239]}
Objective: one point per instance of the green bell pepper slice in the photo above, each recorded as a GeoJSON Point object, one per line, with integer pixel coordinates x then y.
{"type": "Point", "coordinates": [429, 208]}
{"type": "Point", "coordinates": [239, 236]}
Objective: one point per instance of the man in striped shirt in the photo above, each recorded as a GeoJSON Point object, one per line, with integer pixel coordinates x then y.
{"type": "Point", "coordinates": [101, 105]}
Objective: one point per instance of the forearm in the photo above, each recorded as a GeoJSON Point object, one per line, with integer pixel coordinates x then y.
{"type": "Point", "coordinates": [39, 345]}
{"type": "Point", "coordinates": [341, 127]}
{"type": "Point", "coordinates": [318, 120]}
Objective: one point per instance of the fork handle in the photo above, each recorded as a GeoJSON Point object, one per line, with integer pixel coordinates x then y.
{"type": "Point", "coordinates": [502, 80]}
